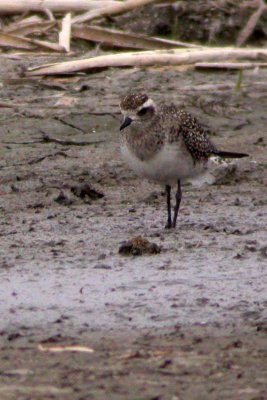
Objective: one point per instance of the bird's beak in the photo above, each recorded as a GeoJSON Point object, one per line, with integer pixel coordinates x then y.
{"type": "Point", "coordinates": [127, 121]}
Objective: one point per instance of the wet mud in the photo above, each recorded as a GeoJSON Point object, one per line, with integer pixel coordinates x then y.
{"type": "Point", "coordinates": [186, 322]}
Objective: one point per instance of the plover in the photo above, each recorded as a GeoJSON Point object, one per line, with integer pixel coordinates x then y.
{"type": "Point", "coordinates": [166, 144]}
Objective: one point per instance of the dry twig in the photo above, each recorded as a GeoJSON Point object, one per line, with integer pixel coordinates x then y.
{"type": "Point", "coordinates": [19, 6]}
{"type": "Point", "coordinates": [122, 39]}
{"type": "Point", "coordinates": [15, 42]}
{"type": "Point", "coordinates": [19, 42]}
{"type": "Point", "coordinates": [29, 28]}
{"type": "Point", "coordinates": [229, 65]}
{"type": "Point", "coordinates": [48, 139]}
{"type": "Point", "coordinates": [146, 58]}
{"type": "Point", "coordinates": [64, 34]}
{"type": "Point", "coordinates": [40, 159]}
{"type": "Point", "coordinates": [61, 348]}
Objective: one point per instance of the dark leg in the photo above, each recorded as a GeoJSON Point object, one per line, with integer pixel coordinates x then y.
{"type": "Point", "coordinates": [177, 205]}
{"type": "Point", "coordinates": [169, 220]}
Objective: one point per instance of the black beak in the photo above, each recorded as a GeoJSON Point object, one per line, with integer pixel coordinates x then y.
{"type": "Point", "coordinates": [127, 121]}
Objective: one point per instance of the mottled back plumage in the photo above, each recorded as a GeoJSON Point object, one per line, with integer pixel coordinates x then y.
{"type": "Point", "coordinates": [194, 135]}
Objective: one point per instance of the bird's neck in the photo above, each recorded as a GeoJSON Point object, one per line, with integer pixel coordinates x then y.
{"type": "Point", "coordinates": [144, 140]}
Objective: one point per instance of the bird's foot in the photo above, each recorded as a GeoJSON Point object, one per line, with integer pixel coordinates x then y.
{"type": "Point", "coordinates": [168, 224]}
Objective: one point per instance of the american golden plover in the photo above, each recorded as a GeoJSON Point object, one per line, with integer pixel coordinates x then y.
{"type": "Point", "coordinates": [166, 144]}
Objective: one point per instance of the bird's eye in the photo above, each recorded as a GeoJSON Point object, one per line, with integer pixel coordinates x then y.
{"type": "Point", "coordinates": [143, 111]}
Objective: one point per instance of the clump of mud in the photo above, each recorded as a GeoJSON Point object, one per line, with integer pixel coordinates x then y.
{"type": "Point", "coordinates": [139, 246]}
{"type": "Point", "coordinates": [63, 199]}
{"type": "Point", "coordinates": [86, 192]}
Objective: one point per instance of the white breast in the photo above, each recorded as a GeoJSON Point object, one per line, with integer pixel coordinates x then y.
{"type": "Point", "coordinates": [173, 162]}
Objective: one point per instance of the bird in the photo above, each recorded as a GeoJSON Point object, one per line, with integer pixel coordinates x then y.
{"type": "Point", "coordinates": [163, 142]}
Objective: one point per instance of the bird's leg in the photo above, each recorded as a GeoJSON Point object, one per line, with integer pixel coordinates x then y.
{"type": "Point", "coordinates": [178, 198]}
{"type": "Point", "coordinates": [169, 220]}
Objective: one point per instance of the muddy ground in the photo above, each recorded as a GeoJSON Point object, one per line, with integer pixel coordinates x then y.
{"type": "Point", "coordinates": [188, 323]}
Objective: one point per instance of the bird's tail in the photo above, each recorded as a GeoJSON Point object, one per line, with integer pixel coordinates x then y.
{"type": "Point", "coordinates": [229, 154]}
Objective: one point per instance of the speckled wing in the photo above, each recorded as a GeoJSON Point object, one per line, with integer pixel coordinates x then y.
{"type": "Point", "coordinates": [195, 136]}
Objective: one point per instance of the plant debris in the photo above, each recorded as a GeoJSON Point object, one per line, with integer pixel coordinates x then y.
{"type": "Point", "coordinates": [60, 349]}
{"type": "Point", "coordinates": [150, 58]}
{"type": "Point", "coordinates": [48, 139]}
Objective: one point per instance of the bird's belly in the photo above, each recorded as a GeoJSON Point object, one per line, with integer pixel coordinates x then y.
{"type": "Point", "coordinates": [167, 166]}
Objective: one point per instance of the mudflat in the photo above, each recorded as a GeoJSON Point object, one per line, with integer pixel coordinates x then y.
{"type": "Point", "coordinates": [186, 323]}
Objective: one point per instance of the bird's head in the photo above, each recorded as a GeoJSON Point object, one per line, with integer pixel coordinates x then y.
{"type": "Point", "coordinates": [137, 108]}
